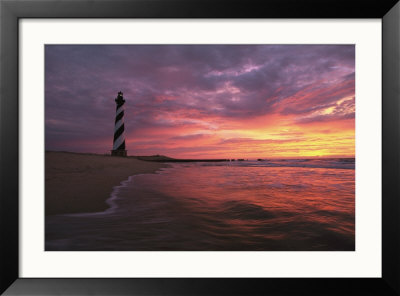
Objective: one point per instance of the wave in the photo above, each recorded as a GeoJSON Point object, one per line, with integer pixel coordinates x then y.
{"type": "Point", "coordinates": [210, 207]}
{"type": "Point", "coordinates": [329, 163]}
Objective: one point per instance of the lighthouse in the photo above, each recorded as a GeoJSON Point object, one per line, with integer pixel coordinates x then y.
{"type": "Point", "coordinates": [119, 139]}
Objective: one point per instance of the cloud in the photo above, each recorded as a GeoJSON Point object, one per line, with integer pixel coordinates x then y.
{"type": "Point", "coordinates": [191, 89]}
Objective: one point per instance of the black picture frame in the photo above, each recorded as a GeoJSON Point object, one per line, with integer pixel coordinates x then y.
{"type": "Point", "coordinates": [12, 11]}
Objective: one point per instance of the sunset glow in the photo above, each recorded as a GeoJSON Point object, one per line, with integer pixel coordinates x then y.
{"type": "Point", "coordinates": [203, 101]}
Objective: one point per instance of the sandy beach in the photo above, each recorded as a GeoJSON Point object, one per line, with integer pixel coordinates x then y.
{"type": "Point", "coordinates": [278, 205]}
{"type": "Point", "coordinates": [80, 183]}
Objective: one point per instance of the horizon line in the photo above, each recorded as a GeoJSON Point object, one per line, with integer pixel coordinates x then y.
{"type": "Point", "coordinates": [227, 158]}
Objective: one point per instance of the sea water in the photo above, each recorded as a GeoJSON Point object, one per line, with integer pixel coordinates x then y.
{"type": "Point", "coordinates": [270, 205]}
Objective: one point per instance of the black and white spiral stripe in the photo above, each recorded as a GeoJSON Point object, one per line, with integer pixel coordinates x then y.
{"type": "Point", "coordinates": [119, 140]}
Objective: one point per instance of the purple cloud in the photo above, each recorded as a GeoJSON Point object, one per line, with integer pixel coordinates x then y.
{"type": "Point", "coordinates": [160, 82]}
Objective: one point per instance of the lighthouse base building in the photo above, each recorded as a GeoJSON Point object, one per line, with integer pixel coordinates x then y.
{"type": "Point", "coordinates": [118, 152]}
{"type": "Point", "coordinates": [119, 138]}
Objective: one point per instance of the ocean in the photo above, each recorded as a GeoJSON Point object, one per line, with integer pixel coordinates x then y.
{"type": "Point", "coordinates": [270, 205]}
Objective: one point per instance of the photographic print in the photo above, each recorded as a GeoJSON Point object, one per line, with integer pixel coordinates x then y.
{"type": "Point", "coordinates": [200, 147]}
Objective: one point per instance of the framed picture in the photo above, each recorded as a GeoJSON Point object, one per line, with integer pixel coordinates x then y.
{"type": "Point", "coordinates": [273, 129]}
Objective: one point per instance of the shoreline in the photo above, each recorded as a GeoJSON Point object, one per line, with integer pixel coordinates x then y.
{"type": "Point", "coordinates": [82, 182]}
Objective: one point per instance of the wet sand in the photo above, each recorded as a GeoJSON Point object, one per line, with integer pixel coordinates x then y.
{"type": "Point", "coordinates": [81, 183]}
{"type": "Point", "coordinates": [240, 206]}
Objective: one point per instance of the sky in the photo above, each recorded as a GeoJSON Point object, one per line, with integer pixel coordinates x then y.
{"type": "Point", "coordinates": [203, 101]}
